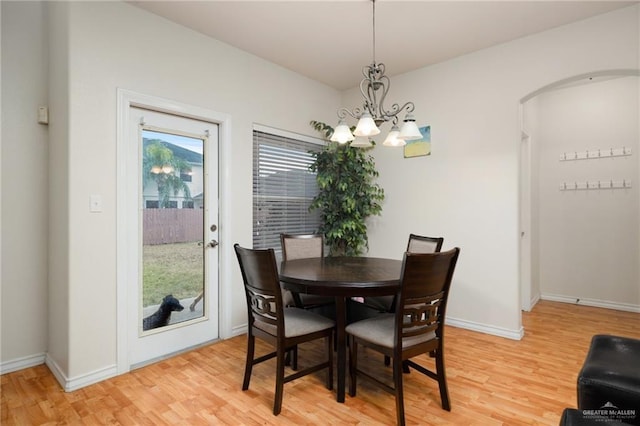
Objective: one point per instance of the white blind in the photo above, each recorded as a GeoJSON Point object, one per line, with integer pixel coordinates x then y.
{"type": "Point", "coordinates": [283, 188]}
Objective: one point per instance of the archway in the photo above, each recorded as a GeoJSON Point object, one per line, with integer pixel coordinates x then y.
{"type": "Point", "coordinates": [529, 235]}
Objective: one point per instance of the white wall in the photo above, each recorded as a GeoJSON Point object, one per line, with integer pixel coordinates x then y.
{"type": "Point", "coordinates": [59, 250]}
{"type": "Point", "coordinates": [467, 190]}
{"type": "Point", "coordinates": [116, 45]}
{"type": "Point", "coordinates": [24, 186]}
{"type": "Point", "coordinates": [96, 48]}
{"type": "Point", "coordinates": [589, 240]}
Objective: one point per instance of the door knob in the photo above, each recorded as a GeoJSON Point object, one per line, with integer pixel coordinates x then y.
{"type": "Point", "coordinates": [212, 243]}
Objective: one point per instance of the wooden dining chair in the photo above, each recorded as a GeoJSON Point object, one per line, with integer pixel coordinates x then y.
{"type": "Point", "coordinates": [416, 244]}
{"type": "Point", "coordinates": [282, 327]}
{"type": "Point", "coordinates": [376, 304]}
{"type": "Point", "coordinates": [304, 246]}
{"type": "Point", "coordinates": [417, 326]}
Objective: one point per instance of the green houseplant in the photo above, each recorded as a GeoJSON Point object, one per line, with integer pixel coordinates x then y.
{"type": "Point", "coordinates": [347, 196]}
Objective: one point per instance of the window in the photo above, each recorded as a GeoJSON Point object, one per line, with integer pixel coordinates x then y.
{"type": "Point", "coordinates": [152, 204]}
{"type": "Point", "coordinates": [187, 204]}
{"type": "Point", "coordinates": [283, 186]}
{"type": "Point", "coordinates": [186, 175]}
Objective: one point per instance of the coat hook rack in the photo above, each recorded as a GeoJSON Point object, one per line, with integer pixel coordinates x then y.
{"type": "Point", "coordinates": [598, 153]}
{"type": "Point", "coordinates": [587, 185]}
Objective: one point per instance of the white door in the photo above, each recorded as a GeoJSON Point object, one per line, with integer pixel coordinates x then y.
{"type": "Point", "coordinates": [172, 217]}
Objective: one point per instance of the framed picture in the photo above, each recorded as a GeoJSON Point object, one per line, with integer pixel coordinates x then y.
{"type": "Point", "coordinates": [419, 147]}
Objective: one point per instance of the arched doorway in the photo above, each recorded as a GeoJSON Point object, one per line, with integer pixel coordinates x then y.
{"type": "Point", "coordinates": [591, 203]}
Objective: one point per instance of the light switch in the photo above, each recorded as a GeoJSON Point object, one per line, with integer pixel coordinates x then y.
{"type": "Point", "coordinates": [95, 204]}
{"type": "Point", "coordinates": [43, 115]}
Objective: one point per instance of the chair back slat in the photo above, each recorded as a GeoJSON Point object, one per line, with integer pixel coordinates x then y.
{"type": "Point", "coordinates": [426, 279]}
{"type": "Point", "coordinates": [420, 318]}
{"type": "Point", "coordinates": [263, 307]}
{"type": "Point", "coordinates": [298, 246]}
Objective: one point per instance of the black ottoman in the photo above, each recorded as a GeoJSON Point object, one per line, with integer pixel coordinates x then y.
{"type": "Point", "coordinates": [609, 381]}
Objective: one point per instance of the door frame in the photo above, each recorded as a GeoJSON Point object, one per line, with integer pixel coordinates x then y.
{"type": "Point", "coordinates": [525, 209]}
{"type": "Point", "coordinates": [125, 100]}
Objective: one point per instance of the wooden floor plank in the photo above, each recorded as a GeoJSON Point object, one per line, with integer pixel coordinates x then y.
{"type": "Point", "coordinates": [492, 381]}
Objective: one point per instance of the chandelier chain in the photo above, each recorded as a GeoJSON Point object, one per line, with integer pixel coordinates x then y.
{"type": "Point", "coordinates": [374, 31]}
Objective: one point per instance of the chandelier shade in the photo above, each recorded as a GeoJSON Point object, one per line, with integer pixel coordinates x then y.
{"type": "Point", "coordinates": [373, 112]}
{"type": "Point", "coordinates": [366, 126]}
{"type": "Point", "coordinates": [392, 138]}
{"type": "Point", "coordinates": [409, 129]}
{"type": "Point", "coordinates": [361, 142]}
{"type": "Point", "coordinates": [342, 133]}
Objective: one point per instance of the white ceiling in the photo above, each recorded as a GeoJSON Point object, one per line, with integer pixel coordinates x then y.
{"type": "Point", "coordinates": [330, 41]}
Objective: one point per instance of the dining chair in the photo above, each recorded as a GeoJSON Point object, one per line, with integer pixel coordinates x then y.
{"type": "Point", "coordinates": [416, 244]}
{"type": "Point", "coordinates": [304, 246]}
{"type": "Point", "coordinates": [417, 326]}
{"type": "Point", "coordinates": [282, 327]}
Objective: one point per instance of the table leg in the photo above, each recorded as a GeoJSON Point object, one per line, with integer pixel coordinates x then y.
{"type": "Point", "coordinates": [341, 323]}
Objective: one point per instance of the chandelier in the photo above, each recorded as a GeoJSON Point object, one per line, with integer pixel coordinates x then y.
{"type": "Point", "coordinates": [374, 87]}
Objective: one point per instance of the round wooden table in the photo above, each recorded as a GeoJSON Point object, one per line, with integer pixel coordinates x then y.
{"type": "Point", "coordinates": [342, 277]}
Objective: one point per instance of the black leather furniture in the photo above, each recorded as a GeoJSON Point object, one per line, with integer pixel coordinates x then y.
{"type": "Point", "coordinates": [609, 382]}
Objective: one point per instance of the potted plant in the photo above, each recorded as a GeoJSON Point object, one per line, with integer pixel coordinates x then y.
{"type": "Point", "coordinates": [347, 195]}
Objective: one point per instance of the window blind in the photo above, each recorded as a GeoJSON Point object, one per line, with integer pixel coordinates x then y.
{"type": "Point", "coordinates": [283, 188]}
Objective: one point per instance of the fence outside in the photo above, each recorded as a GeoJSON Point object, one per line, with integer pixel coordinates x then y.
{"type": "Point", "coordinates": [166, 226]}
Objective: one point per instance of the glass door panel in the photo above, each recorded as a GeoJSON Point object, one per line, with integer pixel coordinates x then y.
{"type": "Point", "coordinates": [172, 228]}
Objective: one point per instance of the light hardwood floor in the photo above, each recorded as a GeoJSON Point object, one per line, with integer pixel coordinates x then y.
{"type": "Point", "coordinates": [492, 381]}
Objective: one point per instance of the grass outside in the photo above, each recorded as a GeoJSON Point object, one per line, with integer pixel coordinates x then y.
{"type": "Point", "coordinates": [176, 269]}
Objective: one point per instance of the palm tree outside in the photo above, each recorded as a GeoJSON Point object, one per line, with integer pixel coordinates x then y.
{"type": "Point", "coordinates": [161, 166]}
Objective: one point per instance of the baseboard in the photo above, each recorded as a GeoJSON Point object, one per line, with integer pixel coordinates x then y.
{"type": "Point", "coordinates": [22, 363]}
{"type": "Point", "coordinates": [239, 330]}
{"type": "Point", "coordinates": [534, 301]}
{"type": "Point", "coordinates": [628, 307]}
{"type": "Point", "coordinates": [56, 371]}
{"type": "Point", "coordinates": [75, 383]}
{"type": "Point", "coordinates": [483, 328]}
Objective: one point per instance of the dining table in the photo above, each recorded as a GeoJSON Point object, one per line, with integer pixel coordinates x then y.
{"type": "Point", "coordinates": [342, 278]}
